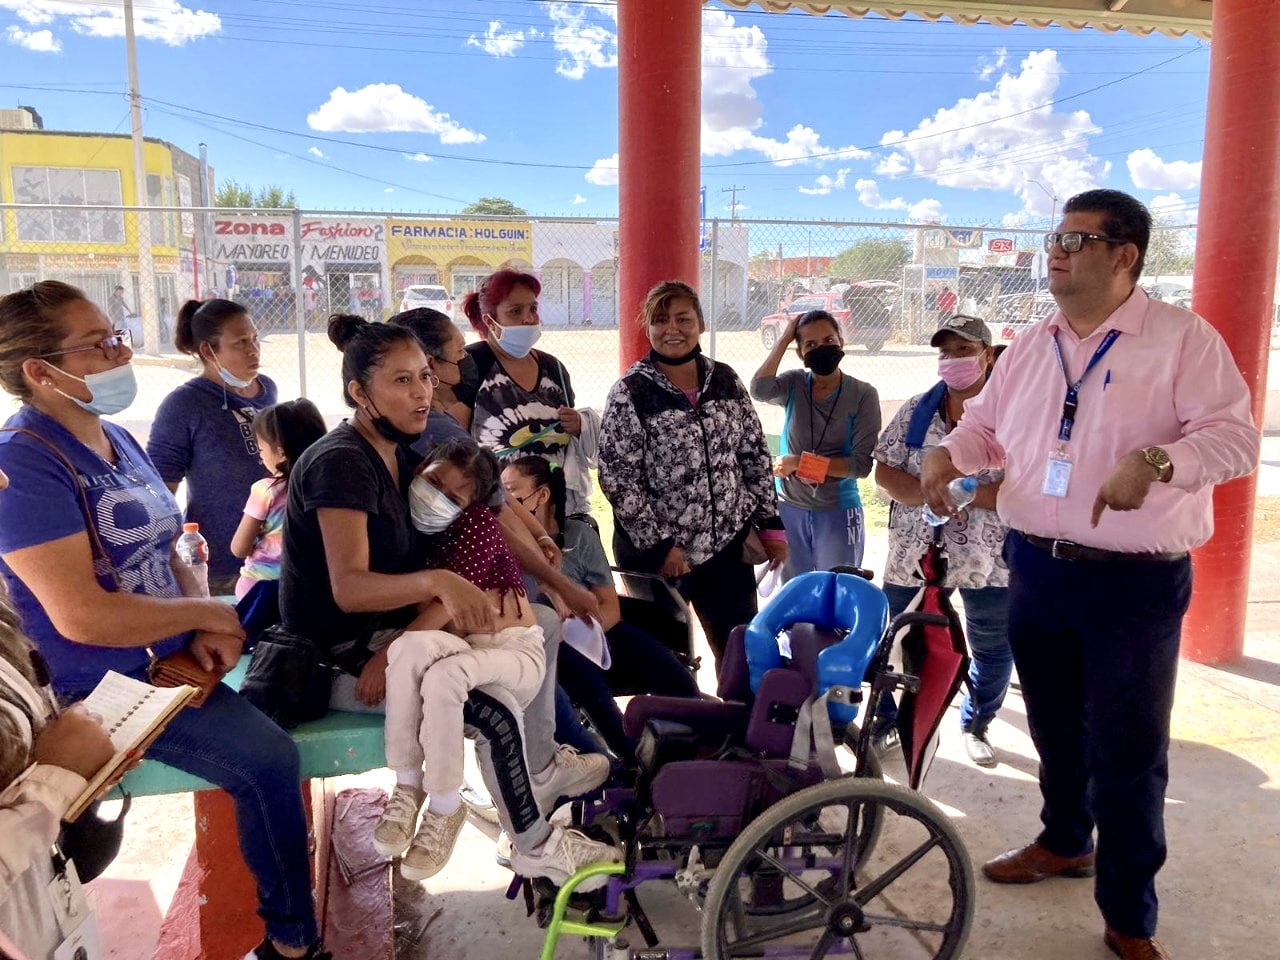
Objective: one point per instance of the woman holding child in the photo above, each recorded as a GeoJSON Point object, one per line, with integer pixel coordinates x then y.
{"type": "Point", "coordinates": [86, 551]}
{"type": "Point", "coordinates": [353, 580]}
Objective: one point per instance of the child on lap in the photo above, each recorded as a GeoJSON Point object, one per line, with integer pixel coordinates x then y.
{"type": "Point", "coordinates": [430, 671]}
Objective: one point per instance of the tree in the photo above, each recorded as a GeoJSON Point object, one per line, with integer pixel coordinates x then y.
{"type": "Point", "coordinates": [870, 260]}
{"type": "Point", "coordinates": [495, 207]}
{"type": "Point", "coordinates": [233, 194]}
{"type": "Point", "coordinates": [1171, 250]}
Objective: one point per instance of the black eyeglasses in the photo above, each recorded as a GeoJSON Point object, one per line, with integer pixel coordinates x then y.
{"type": "Point", "coordinates": [111, 346]}
{"type": "Point", "coordinates": [1072, 242]}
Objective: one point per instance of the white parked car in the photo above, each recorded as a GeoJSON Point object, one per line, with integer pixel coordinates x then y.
{"type": "Point", "coordinates": [427, 295]}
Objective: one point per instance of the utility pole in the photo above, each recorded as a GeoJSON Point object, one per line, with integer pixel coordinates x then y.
{"type": "Point", "coordinates": [733, 200]}
{"type": "Point", "coordinates": [142, 220]}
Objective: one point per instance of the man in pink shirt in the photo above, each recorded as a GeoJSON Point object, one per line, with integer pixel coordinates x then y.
{"type": "Point", "coordinates": [1113, 420]}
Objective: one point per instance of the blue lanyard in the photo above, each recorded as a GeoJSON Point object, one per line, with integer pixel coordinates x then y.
{"type": "Point", "coordinates": [1071, 403]}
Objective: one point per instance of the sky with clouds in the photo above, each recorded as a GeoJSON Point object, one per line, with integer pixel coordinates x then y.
{"type": "Point", "coordinates": [427, 106]}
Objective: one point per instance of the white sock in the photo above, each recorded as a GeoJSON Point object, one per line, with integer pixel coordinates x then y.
{"type": "Point", "coordinates": [445, 803]}
{"type": "Point", "coordinates": [545, 774]}
{"type": "Point", "coordinates": [409, 778]}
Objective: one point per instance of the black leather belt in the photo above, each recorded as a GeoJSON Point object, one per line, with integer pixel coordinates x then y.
{"type": "Point", "coordinates": [1068, 550]}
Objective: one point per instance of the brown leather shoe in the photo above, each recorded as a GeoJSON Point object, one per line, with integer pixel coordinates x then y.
{"type": "Point", "coordinates": [1134, 948]}
{"type": "Point", "coordinates": [1034, 863]}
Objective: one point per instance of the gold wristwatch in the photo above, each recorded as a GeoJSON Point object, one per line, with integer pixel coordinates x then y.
{"type": "Point", "coordinates": [1158, 458]}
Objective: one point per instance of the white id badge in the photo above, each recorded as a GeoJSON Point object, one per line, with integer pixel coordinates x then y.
{"type": "Point", "coordinates": [1057, 475]}
{"type": "Point", "coordinates": [83, 944]}
{"type": "Point", "coordinates": [67, 896]}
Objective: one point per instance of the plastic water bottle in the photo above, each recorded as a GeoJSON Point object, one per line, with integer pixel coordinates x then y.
{"type": "Point", "coordinates": [960, 491]}
{"type": "Point", "coordinates": [193, 551]}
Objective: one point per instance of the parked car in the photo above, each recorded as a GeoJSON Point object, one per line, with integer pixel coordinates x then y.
{"type": "Point", "coordinates": [427, 295]}
{"type": "Point", "coordinates": [862, 314]}
{"type": "Point", "coordinates": [1018, 313]}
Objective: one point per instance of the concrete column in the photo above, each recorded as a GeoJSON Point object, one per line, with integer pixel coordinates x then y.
{"type": "Point", "coordinates": [659, 123]}
{"type": "Point", "coordinates": [1235, 285]}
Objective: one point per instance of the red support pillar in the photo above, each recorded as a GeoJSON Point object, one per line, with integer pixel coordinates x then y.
{"type": "Point", "coordinates": [1235, 284]}
{"type": "Point", "coordinates": [659, 124]}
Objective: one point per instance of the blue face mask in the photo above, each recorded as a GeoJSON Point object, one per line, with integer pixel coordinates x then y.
{"type": "Point", "coordinates": [109, 391]}
{"type": "Point", "coordinates": [519, 340]}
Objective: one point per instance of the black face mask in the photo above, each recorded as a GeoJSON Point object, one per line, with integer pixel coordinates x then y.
{"type": "Point", "coordinates": [388, 430]}
{"type": "Point", "coordinates": [468, 378]}
{"type": "Point", "coordinates": [655, 357]}
{"type": "Point", "coordinates": [824, 360]}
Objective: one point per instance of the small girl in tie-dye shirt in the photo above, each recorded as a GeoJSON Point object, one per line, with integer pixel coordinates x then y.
{"type": "Point", "coordinates": [283, 432]}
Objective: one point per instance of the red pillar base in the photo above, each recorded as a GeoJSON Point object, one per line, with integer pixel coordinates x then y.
{"type": "Point", "coordinates": [1234, 282]}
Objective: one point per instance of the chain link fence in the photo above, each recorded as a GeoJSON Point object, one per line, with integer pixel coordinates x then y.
{"type": "Point", "coordinates": [888, 284]}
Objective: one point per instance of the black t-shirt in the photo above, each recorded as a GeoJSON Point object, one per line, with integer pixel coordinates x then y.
{"type": "Point", "coordinates": [342, 470]}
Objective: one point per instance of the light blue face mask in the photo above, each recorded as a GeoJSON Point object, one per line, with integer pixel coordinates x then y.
{"type": "Point", "coordinates": [109, 391]}
{"type": "Point", "coordinates": [231, 380]}
{"type": "Point", "coordinates": [430, 510]}
{"type": "Point", "coordinates": [519, 340]}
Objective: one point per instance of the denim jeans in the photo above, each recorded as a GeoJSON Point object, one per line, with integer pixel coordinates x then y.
{"type": "Point", "coordinates": [229, 743]}
{"type": "Point", "coordinates": [822, 539]}
{"type": "Point", "coordinates": [986, 614]}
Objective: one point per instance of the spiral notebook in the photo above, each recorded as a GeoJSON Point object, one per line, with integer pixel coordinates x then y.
{"type": "Point", "coordinates": [134, 713]}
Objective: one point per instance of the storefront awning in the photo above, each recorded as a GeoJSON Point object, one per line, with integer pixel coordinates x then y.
{"type": "Point", "coordinates": [1174, 18]}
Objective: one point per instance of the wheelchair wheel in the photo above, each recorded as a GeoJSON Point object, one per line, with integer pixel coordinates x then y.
{"type": "Point", "coordinates": [907, 895]}
{"type": "Point", "coordinates": [770, 894]}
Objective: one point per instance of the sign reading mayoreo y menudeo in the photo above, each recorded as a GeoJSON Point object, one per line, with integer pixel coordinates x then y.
{"type": "Point", "coordinates": [441, 240]}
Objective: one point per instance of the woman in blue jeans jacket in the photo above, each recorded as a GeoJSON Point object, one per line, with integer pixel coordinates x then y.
{"type": "Point", "coordinates": [86, 550]}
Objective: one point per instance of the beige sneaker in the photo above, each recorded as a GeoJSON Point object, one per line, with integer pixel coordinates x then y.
{"type": "Point", "coordinates": [433, 844]}
{"type": "Point", "coordinates": [563, 854]}
{"type": "Point", "coordinates": [399, 820]}
{"type": "Point", "coordinates": [572, 775]}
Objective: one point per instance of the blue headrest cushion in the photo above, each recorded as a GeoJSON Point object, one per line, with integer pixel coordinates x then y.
{"type": "Point", "coordinates": [835, 601]}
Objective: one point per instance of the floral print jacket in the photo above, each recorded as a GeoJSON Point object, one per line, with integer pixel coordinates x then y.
{"type": "Point", "coordinates": [682, 474]}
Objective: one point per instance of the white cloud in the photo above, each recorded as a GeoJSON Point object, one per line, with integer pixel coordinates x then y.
{"type": "Point", "coordinates": [497, 42]}
{"type": "Point", "coordinates": [1174, 209]}
{"type": "Point", "coordinates": [583, 41]}
{"type": "Point", "coordinates": [893, 165]}
{"type": "Point", "coordinates": [1018, 219]}
{"type": "Point", "coordinates": [1149, 172]}
{"type": "Point", "coordinates": [419, 157]}
{"type": "Point", "coordinates": [316, 152]}
{"type": "Point", "coordinates": [165, 20]}
{"type": "Point", "coordinates": [869, 196]}
{"type": "Point", "coordinates": [733, 57]}
{"type": "Point", "coordinates": [386, 107]}
{"type": "Point", "coordinates": [41, 41]}
{"type": "Point", "coordinates": [1002, 139]}
{"type": "Point", "coordinates": [988, 68]}
{"type": "Point", "coordinates": [927, 210]}
{"type": "Point", "coordinates": [825, 184]}
{"type": "Point", "coordinates": [604, 173]}
{"type": "Point", "coordinates": [388, 189]}
{"type": "Point", "coordinates": [577, 199]}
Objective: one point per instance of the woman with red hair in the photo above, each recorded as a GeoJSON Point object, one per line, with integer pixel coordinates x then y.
{"type": "Point", "coordinates": [523, 400]}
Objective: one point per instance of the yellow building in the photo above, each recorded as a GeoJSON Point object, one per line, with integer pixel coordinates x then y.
{"type": "Point", "coordinates": [94, 250]}
{"type": "Point", "coordinates": [457, 254]}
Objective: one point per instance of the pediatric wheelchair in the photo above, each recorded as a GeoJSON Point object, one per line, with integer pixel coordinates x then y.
{"type": "Point", "coordinates": [742, 805]}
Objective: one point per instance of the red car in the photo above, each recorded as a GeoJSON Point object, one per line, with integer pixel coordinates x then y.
{"type": "Point", "coordinates": [863, 316]}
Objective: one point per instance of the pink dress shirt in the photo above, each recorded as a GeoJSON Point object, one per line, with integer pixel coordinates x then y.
{"type": "Point", "coordinates": [1168, 381]}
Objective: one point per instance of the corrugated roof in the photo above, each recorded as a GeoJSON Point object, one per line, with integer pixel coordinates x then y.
{"type": "Point", "coordinates": [1174, 18]}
